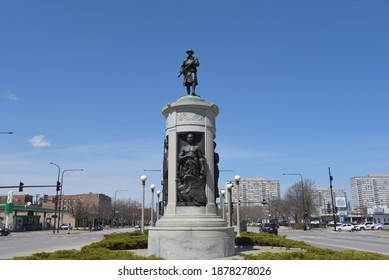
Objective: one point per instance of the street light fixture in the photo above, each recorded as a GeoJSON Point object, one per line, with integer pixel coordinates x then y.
{"type": "Point", "coordinates": [143, 178]}
{"type": "Point", "coordinates": [302, 192]}
{"type": "Point", "coordinates": [60, 204]}
{"type": "Point", "coordinates": [158, 198]}
{"type": "Point", "coordinates": [152, 187]}
{"type": "Point", "coordinates": [237, 179]}
{"type": "Point", "coordinates": [229, 190]}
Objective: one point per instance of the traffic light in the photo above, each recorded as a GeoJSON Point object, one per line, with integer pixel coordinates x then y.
{"type": "Point", "coordinates": [58, 186]}
{"type": "Point", "coordinates": [328, 208]}
{"type": "Point", "coordinates": [239, 202]}
{"type": "Point", "coordinates": [232, 208]}
{"type": "Point", "coordinates": [21, 186]}
{"type": "Point", "coordinates": [305, 214]}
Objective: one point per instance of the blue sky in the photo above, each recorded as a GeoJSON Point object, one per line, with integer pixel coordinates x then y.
{"type": "Point", "coordinates": [301, 86]}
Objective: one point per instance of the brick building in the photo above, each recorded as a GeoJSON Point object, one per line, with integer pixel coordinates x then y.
{"type": "Point", "coordinates": [82, 210]}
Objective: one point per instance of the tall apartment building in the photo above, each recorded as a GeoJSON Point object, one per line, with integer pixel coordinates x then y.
{"type": "Point", "coordinates": [252, 191]}
{"type": "Point", "coordinates": [369, 191]}
{"type": "Point", "coordinates": [322, 197]}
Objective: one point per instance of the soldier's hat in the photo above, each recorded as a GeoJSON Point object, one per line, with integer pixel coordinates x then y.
{"type": "Point", "coordinates": [190, 51]}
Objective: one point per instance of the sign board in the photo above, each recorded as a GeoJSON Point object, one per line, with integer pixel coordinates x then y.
{"type": "Point", "coordinates": [9, 197]}
{"type": "Point", "coordinates": [9, 208]}
{"type": "Point", "coordinates": [340, 202]}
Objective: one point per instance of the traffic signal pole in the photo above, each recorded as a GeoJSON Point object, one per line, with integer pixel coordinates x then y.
{"type": "Point", "coordinates": [22, 186]}
{"type": "Point", "coordinates": [332, 197]}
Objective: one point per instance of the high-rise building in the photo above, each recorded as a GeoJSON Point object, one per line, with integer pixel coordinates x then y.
{"type": "Point", "coordinates": [322, 197]}
{"type": "Point", "coordinates": [253, 191]}
{"type": "Point", "coordinates": [369, 191]}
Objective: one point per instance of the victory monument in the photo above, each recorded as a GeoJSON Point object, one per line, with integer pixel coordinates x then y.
{"type": "Point", "coordinates": [191, 227]}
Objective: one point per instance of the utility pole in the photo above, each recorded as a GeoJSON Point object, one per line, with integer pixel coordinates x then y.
{"type": "Point", "coordinates": [332, 197]}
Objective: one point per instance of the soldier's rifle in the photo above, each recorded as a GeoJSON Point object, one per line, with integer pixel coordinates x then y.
{"type": "Point", "coordinates": [187, 66]}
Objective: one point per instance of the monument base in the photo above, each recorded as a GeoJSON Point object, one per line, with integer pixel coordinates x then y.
{"type": "Point", "coordinates": [191, 243]}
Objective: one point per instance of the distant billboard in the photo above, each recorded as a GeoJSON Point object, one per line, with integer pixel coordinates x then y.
{"type": "Point", "coordinates": [340, 202]}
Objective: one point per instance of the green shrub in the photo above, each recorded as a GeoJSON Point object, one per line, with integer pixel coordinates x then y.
{"type": "Point", "coordinates": [87, 254]}
{"type": "Point", "coordinates": [244, 241]}
{"type": "Point", "coordinates": [267, 239]}
{"type": "Point", "coordinates": [122, 241]}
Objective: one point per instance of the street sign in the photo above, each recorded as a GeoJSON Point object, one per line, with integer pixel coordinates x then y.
{"type": "Point", "coordinates": [340, 201]}
{"type": "Point", "coordinates": [9, 208]}
{"type": "Point", "coordinates": [9, 197]}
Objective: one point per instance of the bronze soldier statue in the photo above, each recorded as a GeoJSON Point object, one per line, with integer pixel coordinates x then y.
{"type": "Point", "coordinates": [189, 70]}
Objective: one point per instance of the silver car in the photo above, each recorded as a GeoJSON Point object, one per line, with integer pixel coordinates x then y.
{"type": "Point", "coordinates": [380, 226]}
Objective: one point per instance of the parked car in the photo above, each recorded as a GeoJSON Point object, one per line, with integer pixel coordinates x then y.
{"type": "Point", "coordinates": [269, 228]}
{"type": "Point", "coordinates": [345, 227]}
{"type": "Point", "coordinates": [385, 226]}
{"type": "Point", "coordinates": [376, 227]}
{"type": "Point", "coordinates": [380, 226]}
{"type": "Point", "coordinates": [364, 226]}
{"type": "Point", "coordinates": [65, 226]}
{"type": "Point", "coordinates": [284, 223]}
{"type": "Point", "coordinates": [4, 231]}
{"type": "Point", "coordinates": [331, 224]}
{"type": "Point", "coordinates": [137, 227]}
{"type": "Point", "coordinates": [98, 227]}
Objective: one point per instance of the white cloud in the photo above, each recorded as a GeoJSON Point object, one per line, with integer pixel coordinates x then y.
{"type": "Point", "coordinates": [39, 141]}
{"type": "Point", "coordinates": [11, 96]}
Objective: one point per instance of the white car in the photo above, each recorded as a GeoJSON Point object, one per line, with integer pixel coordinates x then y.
{"type": "Point", "coordinates": [345, 227]}
{"type": "Point", "coordinates": [65, 226]}
{"type": "Point", "coordinates": [363, 226]}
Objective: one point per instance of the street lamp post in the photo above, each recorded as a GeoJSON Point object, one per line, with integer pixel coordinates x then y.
{"type": "Point", "coordinates": [60, 203]}
{"type": "Point", "coordinates": [302, 192]}
{"type": "Point", "coordinates": [237, 179]}
{"type": "Point", "coordinates": [152, 187]}
{"type": "Point", "coordinates": [158, 198]}
{"type": "Point", "coordinates": [222, 198]}
{"type": "Point", "coordinates": [114, 206]}
{"type": "Point", "coordinates": [229, 190]}
{"type": "Point", "coordinates": [143, 178]}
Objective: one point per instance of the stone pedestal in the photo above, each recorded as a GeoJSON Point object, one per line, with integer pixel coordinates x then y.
{"type": "Point", "coordinates": [191, 227]}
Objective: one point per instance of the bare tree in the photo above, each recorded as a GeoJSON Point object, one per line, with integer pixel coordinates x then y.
{"type": "Point", "coordinates": [82, 212]}
{"type": "Point", "coordinates": [299, 199]}
{"type": "Point", "coordinates": [128, 212]}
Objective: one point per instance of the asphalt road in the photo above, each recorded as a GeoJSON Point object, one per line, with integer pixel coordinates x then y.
{"type": "Point", "coordinates": [369, 240]}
